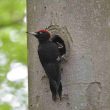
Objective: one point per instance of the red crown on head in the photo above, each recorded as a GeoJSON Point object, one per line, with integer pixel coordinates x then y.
{"type": "Point", "coordinates": [44, 31]}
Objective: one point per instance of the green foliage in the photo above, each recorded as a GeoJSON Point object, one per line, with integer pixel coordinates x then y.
{"type": "Point", "coordinates": [12, 33]}
{"type": "Point", "coordinates": [11, 12]}
{"type": "Point", "coordinates": [5, 106]}
{"type": "Point", "coordinates": [13, 47]}
{"type": "Point", "coordinates": [16, 85]}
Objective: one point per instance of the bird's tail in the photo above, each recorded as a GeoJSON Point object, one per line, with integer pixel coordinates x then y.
{"type": "Point", "coordinates": [60, 90]}
{"type": "Point", "coordinates": [56, 88]}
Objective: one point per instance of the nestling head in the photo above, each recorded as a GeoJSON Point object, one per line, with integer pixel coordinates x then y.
{"type": "Point", "coordinates": [41, 35]}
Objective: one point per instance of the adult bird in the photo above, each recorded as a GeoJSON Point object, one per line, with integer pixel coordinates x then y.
{"type": "Point", "coordinates": [49, 56]}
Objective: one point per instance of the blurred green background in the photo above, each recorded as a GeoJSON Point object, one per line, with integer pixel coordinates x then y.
{"type": "Point", "coordinates": [13, 55]}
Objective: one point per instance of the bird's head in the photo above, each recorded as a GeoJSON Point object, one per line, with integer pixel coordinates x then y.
{"type": "Point", "coordinates": [41, 35]}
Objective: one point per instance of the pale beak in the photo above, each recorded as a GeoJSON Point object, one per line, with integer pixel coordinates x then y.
{"type": "Point", "coordinates": [32, 33]}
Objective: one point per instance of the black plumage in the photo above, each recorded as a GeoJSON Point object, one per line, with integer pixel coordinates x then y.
{"type": "Point", "coordinates": [49, 56]}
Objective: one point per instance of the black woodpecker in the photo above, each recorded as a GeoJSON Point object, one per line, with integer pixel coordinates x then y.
{"type": "Point", "coordinates": [49, 56]}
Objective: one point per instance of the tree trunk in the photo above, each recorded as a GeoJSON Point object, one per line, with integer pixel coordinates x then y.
{"type": "Point", "coordinates": [84, 25]}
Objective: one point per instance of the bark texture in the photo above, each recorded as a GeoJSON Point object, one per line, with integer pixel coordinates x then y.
{"type": "Point", "coordinates": [86, 74]}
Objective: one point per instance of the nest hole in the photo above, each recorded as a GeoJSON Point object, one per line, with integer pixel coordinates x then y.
{"type": "Point", "coordinates": [61, 44]}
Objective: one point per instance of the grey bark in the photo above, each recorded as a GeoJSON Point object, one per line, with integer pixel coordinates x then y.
{"type": "Point", "coordinates": [86, 74]}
